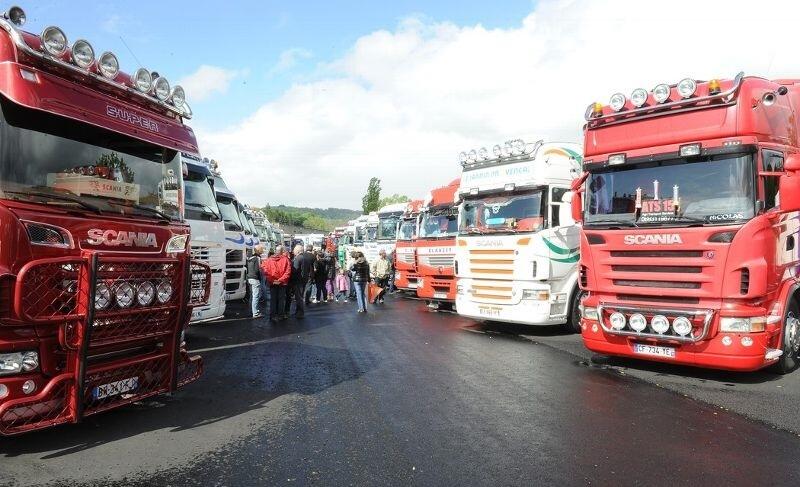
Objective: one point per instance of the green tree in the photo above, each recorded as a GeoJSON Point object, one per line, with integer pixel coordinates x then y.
{"type": "Point", "coordinates": [372, 200]}
{"type": "Point", "coordinates": [395, 198]}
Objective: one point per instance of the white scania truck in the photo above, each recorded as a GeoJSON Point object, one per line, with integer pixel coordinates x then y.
{"type": "Point", "coordinates": [235, 258]}
{"type": "Point", "coordinates": [388, 222]}
{"type": "Point", "coordinates": [517, 247]}
{"type": "Point", "coordinates": [208, 233]}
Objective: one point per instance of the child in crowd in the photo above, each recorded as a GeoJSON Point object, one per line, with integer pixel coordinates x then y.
{"type": "Point", "coordinates": [342, 285]}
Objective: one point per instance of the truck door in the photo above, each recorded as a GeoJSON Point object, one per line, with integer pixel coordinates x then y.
{"type": "Point", "coordinates": [562, 237]}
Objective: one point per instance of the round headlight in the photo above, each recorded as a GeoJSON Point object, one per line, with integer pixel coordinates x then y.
{"type": "Point", "coordinates": [661, 93]}
{"type": "Point", "coordinates": [660, 324]}
{"type": "Point", "coordinates": [54, 41]}
{"type": "Point", "coordinates": [638, 322]}
{"type": "Point", "coordinates": [108, 64]}
{"type": "Point", "coordinates": [639, 97]}
{"type": "Point", "coordinates": [30, 361]}
{"type": "Point", "coordinates": [682, 326]}
{"type": "Point", "coordinates": [17, 16]}
{"type": "Point", "coordinates": [102, 296]}
{"type": "Point", "coordinates": [617, 102]}
{"type": "Point", "coordinates": [82, 53]}
{"type": "Point", "coordinates": [617, 321]}
{"type": "Point", "coordinates": [161, 88]}
{"type": "Point", "coordinates": [142, 80]}
{"type": "Point", "coordinates": [145, 293]}
{"type": "Point", "coordinates": [462, 157]}
{"type": "Point", "coordinates": [164, 291]}
{"type": "Point", "coordinates": [124, 294]}
{"type": "Point", "coordinates": [473, 155]}
{"type": "Point", "coordinates": [483, 154]}
{"type": "Point", "coordinates": [687, 87]}
{"type": "Point", "coordinates": [497, 150]}
{"type": "Point", "coordinates": [178, 96]}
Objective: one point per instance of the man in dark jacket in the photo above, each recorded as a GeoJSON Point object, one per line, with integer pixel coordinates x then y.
{"type": "Point", "coordinates": [361, 271]}
{"type": "Point", "coordinates": [321, 277]}
{"type": "Point", "coordinates": [254, 279]}
{"type": "Point", "coordinates": [302, 273]}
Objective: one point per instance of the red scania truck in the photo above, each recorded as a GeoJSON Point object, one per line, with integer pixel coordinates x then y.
{"type": "Point", "coordinates": [405, 253]}
{"type": "Point", "coordinates": [96, 282]}
{"type": "Point", "coordinates": [689, 246]}
{"type": "Point", "coordinates": [436, 246]}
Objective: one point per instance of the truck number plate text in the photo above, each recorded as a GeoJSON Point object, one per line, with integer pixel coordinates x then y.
{"type": "Point", "coordinates": [654, 351]}
{"type": "Point", "coordinates": [115, 388]}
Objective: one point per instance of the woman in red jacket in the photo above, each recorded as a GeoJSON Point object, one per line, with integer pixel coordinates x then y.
{"type": "Point", "coordinates": [277, 270]}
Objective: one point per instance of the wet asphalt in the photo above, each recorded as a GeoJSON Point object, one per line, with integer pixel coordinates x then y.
{"type": "Point", "coordinates": [405, 396]}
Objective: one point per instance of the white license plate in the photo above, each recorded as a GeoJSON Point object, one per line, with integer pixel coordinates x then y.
{"type": "Point", "coordinates": [196, 314]}
{"type": "Point", "coordinates": [653, 351]}
{"type": "Point", "coordinates": [439, 295]}
{"type": "Point", "coordinates": [488, 311]}
{"type": "Point", "coordinates": [412, 285]}
{"type": "Point", "coordinates": [115, 388]}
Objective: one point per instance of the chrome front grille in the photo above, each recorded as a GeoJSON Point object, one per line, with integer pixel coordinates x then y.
{"type": "Point", "coordinates": [438, 260]}
{"type": "Point", "coordinates": [234, 256]}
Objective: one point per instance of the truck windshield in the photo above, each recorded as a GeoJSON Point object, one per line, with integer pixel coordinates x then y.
{"type": "Point", "coordinates": [51, 160]}
{"type": "Point", "coordinates": [441, 222]}
{"type": "Point", "coordinates": [387, 228]}
{"type": "Point", "coordinates": [717, 189]}
{"type": "Point", "coordinates": [248, 223]}
{"type": "Point", "coordinates": [230, 214]}
{"type": "Point", "coordinates": [408, 229]}
{"type": "Point", "coordinates": [200, 201]}
{"type": "Point", "coordinates": [371, 233]}
{"type": "Point", "coordinates": [521, 212]}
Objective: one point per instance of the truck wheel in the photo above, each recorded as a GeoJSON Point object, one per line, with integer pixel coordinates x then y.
{"type": "Point", "coordinates": [790, 341]}
{"type": "Point", "coordinates": [573, 324]}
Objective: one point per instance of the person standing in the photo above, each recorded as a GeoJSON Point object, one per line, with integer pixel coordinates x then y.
{"type": "Point", "coordinates": [380, 272]}
{"type": "Point", "coordinates": [360, 271]}
{"type": "Point", "coordinates": [330, 284]}
{"type": "Point", "coordinates": [321, 277]}
{"type": "Point", "coordinates": [254, 280]}
{"type": "Point", "coordinates": [342, 285]}
{"type": "Point", "coordinates": [302, 273]}
{"type": "Point", "coordinates": [277, 271]}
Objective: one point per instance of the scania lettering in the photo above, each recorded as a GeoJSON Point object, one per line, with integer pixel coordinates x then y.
{"type": "Point", "coordinates": [436, 246]}
{"type": "Point", "coordinates": [235, 241]}
{"type": "Point", "coordinates": [208, 233]}
{"type": "Point", "coordinates": [405, 258]}
{"type": "Point", "coordinates": [517, 248]}
{"type": "Point", "coordinates": [689, 201]}
{"type": "Point", "coordinates": [98, 282]}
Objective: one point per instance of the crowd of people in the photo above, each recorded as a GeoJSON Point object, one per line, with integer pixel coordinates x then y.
{"type": "Point", "coordinates": [306, 276]}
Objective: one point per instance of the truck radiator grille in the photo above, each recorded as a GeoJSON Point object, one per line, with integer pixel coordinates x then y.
{"type": "Point", "coordinates": [437, 260]}
{"type": "Point", "coordinates": [234, 256]}
{"type": "Point", "coordinates": [657, 284]}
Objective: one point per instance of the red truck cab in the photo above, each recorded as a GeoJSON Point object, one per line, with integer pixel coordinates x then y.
{"type": "Point", "coordinates": [436, 246]}
{"type": "Point", "coordinates": [405, 253]}
{"type": "Point", "coordinates": [689, 203]}
{"type": "Point", "coordinates": [96, 282]}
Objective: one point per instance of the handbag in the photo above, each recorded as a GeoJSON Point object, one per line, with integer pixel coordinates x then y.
{"type": "Point", "coordinates": [372, 291]}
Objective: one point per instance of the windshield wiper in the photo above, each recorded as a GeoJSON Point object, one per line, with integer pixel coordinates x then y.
{"type": "Point", "coordinates": [621, 223]}
{"type": "Point", "coordinates": [205, 207]}
{"type": "Point", "coordinates": [59, 197]}
{"type": "Point", "coordinates": [146, 209]}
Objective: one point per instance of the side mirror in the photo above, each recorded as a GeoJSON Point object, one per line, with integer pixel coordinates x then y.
{"type": "Point", "coordinates": [577, 206]}
{"type": "Point", "coordinates": [792, 163]}
{"type": "Point", "coordinates": [789, 191]}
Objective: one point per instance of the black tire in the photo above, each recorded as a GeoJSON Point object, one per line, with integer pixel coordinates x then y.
{"type": "Point", "coordinates": [573, 324]}
{"type": "Point", "coordinates": [790, 341]}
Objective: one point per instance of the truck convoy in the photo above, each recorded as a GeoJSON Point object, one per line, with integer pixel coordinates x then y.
{"type": "Point", "coordinates": [208, 233]}
{"type": "Point", "coordinates": [235, 254]}
{"type": "Point", "coordinates": [436, 246]}
{"type": "Point", "coordinates": [405, 259]}
{"type": "Point", "coordinates": [97, 280]}
{"type": "Point", "coordinates": [517, 249]}
{"type": "Point", "coordinates": [690, 201]}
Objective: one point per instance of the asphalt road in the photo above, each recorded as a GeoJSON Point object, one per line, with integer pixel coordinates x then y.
{"type": "Point", "coordinates": [404, 396]}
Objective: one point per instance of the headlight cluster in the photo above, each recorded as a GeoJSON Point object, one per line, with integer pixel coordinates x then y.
{"type": "Point", "coordinates": [18, 362]}
{"type": "Point", "coordinates": [125, 293]}
{"type": "Point", "coordinates": [511, 148]}
{"type": "Point", "coordinates": [54, 43]}
{"type": "Point", "coordinates": [662, 93]}
{"type": "Point", "coordinates": [660, 324]}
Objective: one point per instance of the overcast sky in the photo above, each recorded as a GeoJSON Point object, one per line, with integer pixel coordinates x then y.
{"type": "Point", "coordinates": [303, 102]}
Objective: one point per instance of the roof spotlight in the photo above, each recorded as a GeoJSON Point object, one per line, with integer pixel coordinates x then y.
{"type": "Point", "coordinates": [687, 87]}
{"type": "Point", "coordinates": [617, 102]}
{"type": "Point", "coordinates": [54, 41]}
{"type": "Point", "coordinates": [639, 97]}
{"type": "Point", "coordinates": [661, 93]}
{"type": "Point", "coordinates": [82, 53]}
{"type": "Point", "coordinates": [16, 15]}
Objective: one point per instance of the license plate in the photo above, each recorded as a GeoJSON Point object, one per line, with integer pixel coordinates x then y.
{"type": "Point", "coordinates": [196, 314]}
{"type": "Point", "coordinates": [412, 285]}
{"type": "Point", "coordinates": [439, 295]}
{"type": "Point", "coordinates": [489, 311]}
{"type": "Point", "coordinates": [653, 351]}
{"type": "Point", "coordinates": [115, 388]}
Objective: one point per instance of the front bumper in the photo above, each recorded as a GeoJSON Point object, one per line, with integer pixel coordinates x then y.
{"type": "Point", "coordinates": [406, 280]}
{"type": "Point", "coordinates": [440, 289]}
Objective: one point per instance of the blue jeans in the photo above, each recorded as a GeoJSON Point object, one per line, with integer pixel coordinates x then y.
{"type": "Point", "coordinates": [361, 294]}
{"type": "Point", "coordinates": [255, 294]}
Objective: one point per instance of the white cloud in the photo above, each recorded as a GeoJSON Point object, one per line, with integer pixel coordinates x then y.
{"type": "Point", "coordinates": [112, 24]}
{"type": "Point", "coordinates": [401, 104]}
{"type": "Point", "coordinates": [208, 81]}
{"type": "Point", "coordinates": [289, 59]}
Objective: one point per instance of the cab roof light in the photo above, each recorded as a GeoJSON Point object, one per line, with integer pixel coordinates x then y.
{"type": "Point", "coordinates": [594, 110]}
{"type": "Point", "coordinates": [687, 87]}
{"type": "Point", "coordinates": [661, 93]}
{"type": "Point", "coordinates": [639, 97]}
{"type": "Point", "coordinates": [617, 102]}
{"type": "Point", "coordinates": [16, 16]}
{"type": "Point", "coordinates": [714, 87]}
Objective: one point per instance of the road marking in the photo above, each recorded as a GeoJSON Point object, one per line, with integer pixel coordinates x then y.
{"type": "Point", "coordinates": [235, 345]}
